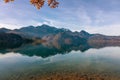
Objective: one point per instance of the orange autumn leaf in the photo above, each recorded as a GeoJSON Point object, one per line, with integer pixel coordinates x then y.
{"type": "Point", "coordinates": [39, 3]}
{"type": "Point", "coordinates": [53, 3]}
{"type": "Point", "coordinates": [6, 1]}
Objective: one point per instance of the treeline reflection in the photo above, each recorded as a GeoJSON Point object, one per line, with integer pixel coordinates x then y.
{"type": "Point", "coordinates": [44, 50]}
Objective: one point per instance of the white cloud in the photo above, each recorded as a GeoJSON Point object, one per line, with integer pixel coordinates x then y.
{"type": "Point", "coordinates": [102, 17]}
{"type": "Point", "coordinates": [19, 24]}
{"type": "Point", "coordinates": [9, 26]}
{"type": "Point", "coordinates": [61, 24]}
{"type": "Point", "coordinates": [82, 16]}
{"type": "Point", "coordinates": [106, 29]}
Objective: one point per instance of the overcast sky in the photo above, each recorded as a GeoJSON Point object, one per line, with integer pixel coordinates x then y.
{"type": "Point", "coordinates": [94, 16]}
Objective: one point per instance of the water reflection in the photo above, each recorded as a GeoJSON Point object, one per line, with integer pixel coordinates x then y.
{"type": "Point", "coordinates": [46, 49]}
{"type": "Point", "coordinates": [43, 61]}
{"type": "Point", "coordinates": [94, 62]}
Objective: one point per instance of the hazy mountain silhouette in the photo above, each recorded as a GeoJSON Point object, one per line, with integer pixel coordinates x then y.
{"type": "Point", "coordinates": [4, 30]}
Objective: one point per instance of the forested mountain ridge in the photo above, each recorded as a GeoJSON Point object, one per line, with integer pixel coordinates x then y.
{"type": "Point", "coordinates": [53, 35]}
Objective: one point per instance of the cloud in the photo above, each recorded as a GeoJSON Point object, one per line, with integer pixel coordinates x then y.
{"type": "Point", "coordinates": [83, 16]}
{"type": "Point", "coordinates": [103, 18]}
{"type": "Point", "coordinates": [61, 24]}
{"type": "Point", "coordinates": [106, 29]}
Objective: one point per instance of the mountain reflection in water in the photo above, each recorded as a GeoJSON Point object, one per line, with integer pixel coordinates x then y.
{"type": "Point", "coordinates": [46, 62]}
{"type": "Point", "coordinates": [46, 49]}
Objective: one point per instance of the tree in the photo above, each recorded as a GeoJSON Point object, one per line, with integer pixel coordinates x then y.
{"type": "Point", "coordinates": [39, 3]}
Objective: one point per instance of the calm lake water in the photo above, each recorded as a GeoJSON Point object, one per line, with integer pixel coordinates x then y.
{"type": "Point", "coordinates": [103, 62]}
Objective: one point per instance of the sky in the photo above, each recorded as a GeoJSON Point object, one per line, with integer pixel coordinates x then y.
{"type": "Point", "coordinates": [94, 16]}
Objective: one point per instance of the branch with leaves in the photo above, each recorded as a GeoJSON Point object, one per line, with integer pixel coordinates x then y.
{"type": "Point", "coordinates": [39, 3]}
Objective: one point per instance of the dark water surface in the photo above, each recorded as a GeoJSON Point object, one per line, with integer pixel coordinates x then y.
{"type": "Point", "coordinates": [38, 63]}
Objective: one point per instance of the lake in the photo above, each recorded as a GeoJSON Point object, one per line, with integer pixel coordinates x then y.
{"type": "Point", "coordinates": [39, 63]}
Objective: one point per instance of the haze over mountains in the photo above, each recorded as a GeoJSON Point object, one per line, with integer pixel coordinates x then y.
{"type": "Point", "coordinates": [54, 36]}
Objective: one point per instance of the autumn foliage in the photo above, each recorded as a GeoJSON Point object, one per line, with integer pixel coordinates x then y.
{"type": "Point", "coordinates": [39, 3]}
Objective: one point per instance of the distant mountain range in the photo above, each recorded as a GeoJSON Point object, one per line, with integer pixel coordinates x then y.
{"type": "Point", "coordinates": [54, 36]}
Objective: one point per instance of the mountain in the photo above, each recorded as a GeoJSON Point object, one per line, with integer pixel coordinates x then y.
{"type": "Point", "coordinates": [64, 39]}
{"type": "Point", "coordinates": [39, 31]}
{"type": "Point", "coordinates": [60, 36]}
{"type": "Point", "coordinates": [46, 30]}
{"type": "Point", "coordinates": [46, 41]}
{"type": "Point", "coordinates": [4, 30]}
{"type": "Point", "coordinates": [84, 34]}
{"type": "Point", "coordinates": [98, 39]}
